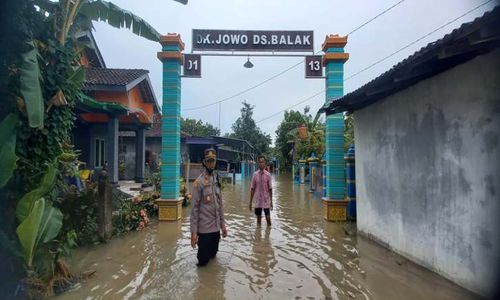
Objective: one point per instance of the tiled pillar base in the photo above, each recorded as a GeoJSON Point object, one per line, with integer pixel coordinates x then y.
{"type": "Point", "coordinates": [335, 210]}
{"type": "Point", "coordinates": [169, 210]}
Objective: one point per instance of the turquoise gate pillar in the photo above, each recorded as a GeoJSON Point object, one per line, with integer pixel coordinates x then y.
{"type": "Point", "coordinates": [313, 172]}
{"type": "Point", "coordinates": [169, 204]}
{"type": "Point", "coordinates": [302, 171]}
{"type": "Point", "coordinates": [323, 172]}
{"type": "Point", "coordinates": [334, 204]}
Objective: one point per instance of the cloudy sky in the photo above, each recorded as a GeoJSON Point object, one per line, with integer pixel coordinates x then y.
{"type": "Point", "coordinates": [225, 76]}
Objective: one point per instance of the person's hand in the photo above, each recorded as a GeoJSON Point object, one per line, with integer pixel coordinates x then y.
{"type": "Point", "coordinates": [194, 240]}
{"type": "Point", "coordinates": [250, 206]}
{"type": "Point", "coordinates": [224, 232]}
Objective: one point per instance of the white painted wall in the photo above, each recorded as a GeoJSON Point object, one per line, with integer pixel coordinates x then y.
{"type": "Point", "coordinates": [428, 179]}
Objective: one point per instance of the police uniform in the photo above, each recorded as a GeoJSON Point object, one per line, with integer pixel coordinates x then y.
{"type": "Point", "coordinates": [207, 214]}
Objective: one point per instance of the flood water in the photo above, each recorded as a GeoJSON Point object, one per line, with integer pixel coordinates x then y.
{"type": "Point", "coordinates": [300, 257]}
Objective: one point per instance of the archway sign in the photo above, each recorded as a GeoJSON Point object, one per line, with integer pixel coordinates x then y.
{"type": "Point", "coordinates": [254, 43]}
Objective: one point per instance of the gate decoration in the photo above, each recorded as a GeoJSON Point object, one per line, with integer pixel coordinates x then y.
{"type": "Point", "coordinates": [280, 43]}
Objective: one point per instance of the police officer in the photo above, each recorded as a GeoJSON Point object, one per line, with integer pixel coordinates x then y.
{"type": "Point", "coordinates": [207, 214]}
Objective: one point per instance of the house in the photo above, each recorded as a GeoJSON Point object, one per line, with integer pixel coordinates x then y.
{"type": "Point", "coordinates": [427, 135]}
{"type": "Point", "coordinates": [115, 100]}
{"type": "Point", "coordinates": [234, 156]}
{"type": "Point", "coordinates": [127, 149]}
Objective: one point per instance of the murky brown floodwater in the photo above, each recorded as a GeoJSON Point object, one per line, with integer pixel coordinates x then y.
{"type": "Point", "coordinates": [300, 257]}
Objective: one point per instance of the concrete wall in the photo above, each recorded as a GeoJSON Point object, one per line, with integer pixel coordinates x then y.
{"type": "Point", "coordinates": [427, 167]}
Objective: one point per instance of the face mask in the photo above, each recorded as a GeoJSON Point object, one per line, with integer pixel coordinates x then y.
{"type": "Point", "coordinates": [209, 170]}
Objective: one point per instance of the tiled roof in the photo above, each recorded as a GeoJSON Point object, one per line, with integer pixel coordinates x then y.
{"type": "Point", "coordinates": [470, 40]}
{"type": "Point", "coordinates": [111, 77]}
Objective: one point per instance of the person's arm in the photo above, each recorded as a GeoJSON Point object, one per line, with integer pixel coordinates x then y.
{"type": "Point", "coordinates": [195, 213]}
{"type": "Point", "coordinates": [270, 185]}
{"type": "Point", "coordinates": [252, 191]}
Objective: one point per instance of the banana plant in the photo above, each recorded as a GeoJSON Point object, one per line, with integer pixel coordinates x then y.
{"type": "Point", "coordinates": [39, 222]}
{"type": "Point", "coordinates": [314, 142]}
{"type": "Point", "coordinates": [30, 85]}
{"type": "Point", "coordinates": [42, 225]}
{"type": "Point", "coordinates": [72, 12]}
{"type": "Point", "coordinates": [69, 16]}
{"type": "Point", "coordinates": [27, 202]}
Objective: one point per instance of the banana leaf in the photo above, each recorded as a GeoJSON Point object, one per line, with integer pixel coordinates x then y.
{"type": "Point", "coordinates": [8, 156]}
{"type": "Point", "coordinates": [76, 76]}
{"type": "Point", "coordinates": [117, 17]}
{"type": "Point", "coordinates": [24, 206]}
{"type": "Point", "coordinates": [30, 87]}
{"type": "Point", "coordinates": [41, 226]}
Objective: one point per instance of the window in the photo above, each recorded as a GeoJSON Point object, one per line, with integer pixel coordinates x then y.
{"type": "Point", "coordinates": [100, 153]}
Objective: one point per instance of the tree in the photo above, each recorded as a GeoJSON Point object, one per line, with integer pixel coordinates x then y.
{"type": "Point", "coordinates": [284, 141]}
{"type": "Point", "coordinates": [245, 128]}
{"type": "Point", "coordinates": [288, 142]}
{"type": "Point", "coordinates": [348, 131]}
{"type": "Point", "coordinates": [197, 127]}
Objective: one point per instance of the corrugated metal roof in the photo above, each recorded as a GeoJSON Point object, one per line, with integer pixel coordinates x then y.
{"type": "Point", "coordinates": [470, 40]}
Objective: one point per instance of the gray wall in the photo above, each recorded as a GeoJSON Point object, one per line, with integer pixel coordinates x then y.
{"type": "Point", "coordinates": [427, 167]}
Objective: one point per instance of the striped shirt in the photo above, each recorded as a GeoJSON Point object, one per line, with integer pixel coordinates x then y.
{"type": "Point", "coordinates": [261, 184]}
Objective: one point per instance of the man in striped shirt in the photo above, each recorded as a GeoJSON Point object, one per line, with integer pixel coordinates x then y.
{"type": "Point", "coordinates": [261, 192]}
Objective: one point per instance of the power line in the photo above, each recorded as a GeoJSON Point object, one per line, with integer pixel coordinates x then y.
{"type": "Point", "coordinates": [291, 67]}
{"type": "Point", "coordinates": [418, 40]}
{"type": "Point", "coordinates": [300, 102]}
{"type": "Point", "coordinates": [246, 90]}
{"type": "Point", "coordinates": [372, 19]}
{"type": "Point", "coordinates": [381, 60]}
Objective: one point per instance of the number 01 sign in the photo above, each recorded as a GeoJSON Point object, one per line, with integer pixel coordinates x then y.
{"type": "Point", "coordinates": [314, 66]}
{"type": "Point", "coordinates": [192, 65]}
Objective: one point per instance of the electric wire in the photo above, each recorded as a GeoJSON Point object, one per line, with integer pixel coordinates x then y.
{"type": "Point", "coordinates": [381, 60]}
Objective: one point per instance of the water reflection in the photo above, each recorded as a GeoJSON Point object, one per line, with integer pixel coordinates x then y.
{"type": "Point", "coordinates": [300, 257]}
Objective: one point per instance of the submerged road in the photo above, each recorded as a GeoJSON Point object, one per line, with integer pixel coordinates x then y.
{"type": "Point", "coordinates": [300, 257]}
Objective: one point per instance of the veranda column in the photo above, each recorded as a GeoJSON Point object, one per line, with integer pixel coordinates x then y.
{"type": "Point", "coordinates": [140, 154]}
{"type": "Point", "coordinates": [334, 204]}
{"type": "Point", "coordinates": [112, 149]}
{"type": "Point", "coordinates": [170, 205]}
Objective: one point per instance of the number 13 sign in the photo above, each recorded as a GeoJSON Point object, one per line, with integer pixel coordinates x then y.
{"type": "Point", "coordinates": [314, 66]}
{"type": "Point", "coordinates": [192, 65]}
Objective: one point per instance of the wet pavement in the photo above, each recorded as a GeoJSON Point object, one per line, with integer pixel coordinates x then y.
{"type": "Point", "coordinates": [300, 257]}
